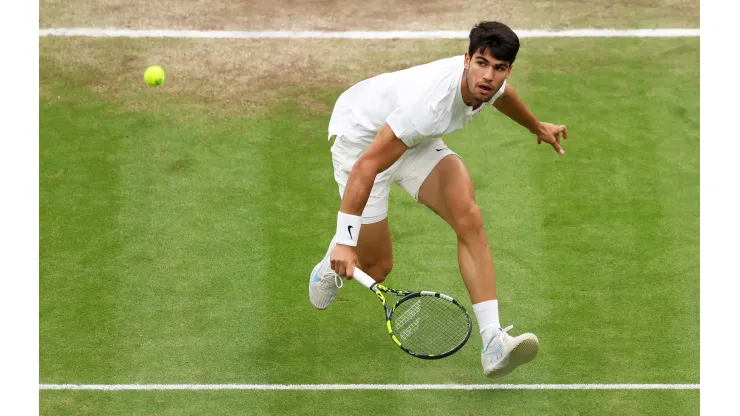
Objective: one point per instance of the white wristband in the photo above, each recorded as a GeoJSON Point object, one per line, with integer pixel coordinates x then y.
{"type": "Point", "coordinates": [348, 229]}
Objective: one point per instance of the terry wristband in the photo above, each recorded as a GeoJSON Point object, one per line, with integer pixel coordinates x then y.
{"type": "Point", "coordinates": [348, 229]}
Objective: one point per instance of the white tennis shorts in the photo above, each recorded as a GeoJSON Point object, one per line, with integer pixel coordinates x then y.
{"type": "Point", "coordinates": [410, 171]}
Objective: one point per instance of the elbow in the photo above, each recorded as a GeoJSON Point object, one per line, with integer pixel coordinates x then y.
{"type": "Point", "coordinates": [367, 167]}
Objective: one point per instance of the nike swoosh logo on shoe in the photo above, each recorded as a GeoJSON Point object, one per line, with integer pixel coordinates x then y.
{"type": "Point", "coordinates": [487, 345]}
{"type": "Point", "coordinates": [498, 350]}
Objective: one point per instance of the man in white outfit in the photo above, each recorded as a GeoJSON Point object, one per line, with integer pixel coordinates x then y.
{"type": "Point", "coordinates": [389, 129]}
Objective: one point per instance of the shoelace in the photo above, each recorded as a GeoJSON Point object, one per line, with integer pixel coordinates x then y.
{"type": "Point", "coordinates": [507, 329]}
{"type": "Point", "coordinates": [337, 281]}
{"type": "Point", "coordinates": [503, 331]}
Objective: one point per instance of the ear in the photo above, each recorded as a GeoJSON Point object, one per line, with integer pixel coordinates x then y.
{"type": "Point", "coordinates": [467, 60]}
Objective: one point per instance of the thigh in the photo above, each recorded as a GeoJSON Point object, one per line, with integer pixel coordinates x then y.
{"type": "Point", "coordinates": [448, 189]}
{"type": "Point", "coordinates": [418, 163]}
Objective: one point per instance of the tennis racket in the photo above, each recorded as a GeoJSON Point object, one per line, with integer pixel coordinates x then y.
{"type": "Point", "coordinates": [428, 325]}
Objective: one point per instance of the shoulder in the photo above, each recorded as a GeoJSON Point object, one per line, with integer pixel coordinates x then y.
{"type": "Point", "coordinates": [434, 85]}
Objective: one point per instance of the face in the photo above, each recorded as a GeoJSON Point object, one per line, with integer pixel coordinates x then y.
{"type": "Point", "coordinates": [485, 74]}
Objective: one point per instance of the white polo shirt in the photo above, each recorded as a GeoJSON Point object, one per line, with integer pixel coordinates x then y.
{"type": "Point", "coordinates": [420, 103]}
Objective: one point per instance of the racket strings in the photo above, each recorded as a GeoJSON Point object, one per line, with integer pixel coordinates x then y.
{"type": "Point", "coordinates": [430, 325]}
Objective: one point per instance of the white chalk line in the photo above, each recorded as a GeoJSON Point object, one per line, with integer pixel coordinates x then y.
{"type": "Point", "coordinates": [394, 34]}
{"type": "Point", "coordinates": [322, 387]}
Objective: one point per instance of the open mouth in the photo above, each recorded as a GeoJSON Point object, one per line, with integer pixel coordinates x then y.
{"type": "Point", "coordinates": [485, 88]}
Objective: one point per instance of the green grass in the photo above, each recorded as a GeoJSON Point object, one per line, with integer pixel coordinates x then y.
{"type": "Point", "coordinates": [361, 403]}
{"type": "Point", "coordinates": [175, 246]}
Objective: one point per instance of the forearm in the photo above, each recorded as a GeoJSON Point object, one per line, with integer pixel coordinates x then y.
{"type": "Point", "coordinates": [357, 191]}
{"type": "Point", "coordinates": [513, 107]}
{"type": "Point", "coordinates": [385, 150]}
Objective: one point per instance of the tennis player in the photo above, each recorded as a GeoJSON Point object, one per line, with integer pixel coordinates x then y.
{"type": "Point", "coordinates": [388, 129]}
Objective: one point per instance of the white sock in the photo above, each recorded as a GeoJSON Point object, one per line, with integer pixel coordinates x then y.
{"type": "Point", "coordinates": [331, 246]}
{"type": "Point", "coordinates": [487, 314]}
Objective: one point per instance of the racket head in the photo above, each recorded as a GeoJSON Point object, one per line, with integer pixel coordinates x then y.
{"type": "Point", "coordinates": [429, 325]}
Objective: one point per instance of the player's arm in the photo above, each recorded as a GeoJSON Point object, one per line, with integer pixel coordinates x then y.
{"type": "Point", "coordinates": [510, 104]}
{"type": "Point", "coordinates": [379, 156]}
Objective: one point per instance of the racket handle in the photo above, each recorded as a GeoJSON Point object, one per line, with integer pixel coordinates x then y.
{"type": "Point", "coordinates": [363, 278]}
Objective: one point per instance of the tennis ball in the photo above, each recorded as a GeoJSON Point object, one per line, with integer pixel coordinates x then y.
{"type": "Point", "coordinates": [154, 75]}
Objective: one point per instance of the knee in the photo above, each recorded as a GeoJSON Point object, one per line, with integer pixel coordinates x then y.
{"type": "Point", "coordinates": [378, 270]}
{"type": "Point", "coordinates": [468, 221]}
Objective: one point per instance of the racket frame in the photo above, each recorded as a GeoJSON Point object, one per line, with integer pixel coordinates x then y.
{"type": "Point", "coordinates": [379, 289]}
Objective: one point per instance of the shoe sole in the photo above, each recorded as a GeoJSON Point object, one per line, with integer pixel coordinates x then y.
{"type": "Point", "coordinates": [523, 353]}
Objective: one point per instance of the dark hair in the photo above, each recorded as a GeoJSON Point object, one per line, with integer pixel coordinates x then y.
{"type": "Point", "coordinates": [498, 38]}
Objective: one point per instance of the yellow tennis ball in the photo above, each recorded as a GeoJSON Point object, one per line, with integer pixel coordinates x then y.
{"type": "Point", "coordinates": [154, 75]}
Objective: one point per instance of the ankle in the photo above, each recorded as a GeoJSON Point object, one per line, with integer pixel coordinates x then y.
{"type": "Point", "coordinates": [487, 314]}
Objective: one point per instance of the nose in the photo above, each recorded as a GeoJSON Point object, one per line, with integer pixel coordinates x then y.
{"type": "Point", "coordinates": [488, 75]}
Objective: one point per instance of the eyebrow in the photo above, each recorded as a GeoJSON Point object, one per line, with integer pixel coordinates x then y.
{"type": "Point", "coordinates": [486, 61]}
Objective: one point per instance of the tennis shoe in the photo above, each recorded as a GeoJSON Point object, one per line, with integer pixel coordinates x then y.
{"type": "Point", "coordinates": [323, 284]}
{"type": "Point", "coordinates": [504, 353]}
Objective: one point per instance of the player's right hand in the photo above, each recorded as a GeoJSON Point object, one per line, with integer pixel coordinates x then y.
{"type": "Point", "coordinates": [343, 260]}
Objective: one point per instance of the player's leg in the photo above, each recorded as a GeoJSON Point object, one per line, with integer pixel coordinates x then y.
{"type": "Point", "coordinates": [374, 249]}
{"type": "Point", "coordinates": [447, 189]}
{"type": "Point", "coordinates": [436, 177]}
{"type": "Point", "coordinates": [375, 257]}
{"type": "Point", "coordinates": [374, 252]}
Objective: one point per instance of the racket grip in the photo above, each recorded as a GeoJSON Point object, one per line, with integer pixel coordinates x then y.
{"type": "Point", "coordinates": [363, 278]}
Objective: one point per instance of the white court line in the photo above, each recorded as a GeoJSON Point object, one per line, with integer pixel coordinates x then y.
{"type": "Point", "coordinates": [115, 387]}
{"type": "Point", "coordinates": [396, 34]}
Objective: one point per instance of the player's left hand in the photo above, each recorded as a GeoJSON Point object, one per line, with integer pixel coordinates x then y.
{"type": "Point", "coordinates": [550, 133]}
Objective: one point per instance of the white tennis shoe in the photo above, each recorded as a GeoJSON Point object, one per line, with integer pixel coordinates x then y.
{"type": "Point", "coordinates": [504, 353]}
{"type": "Point", "coordinates": [323, 284]}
